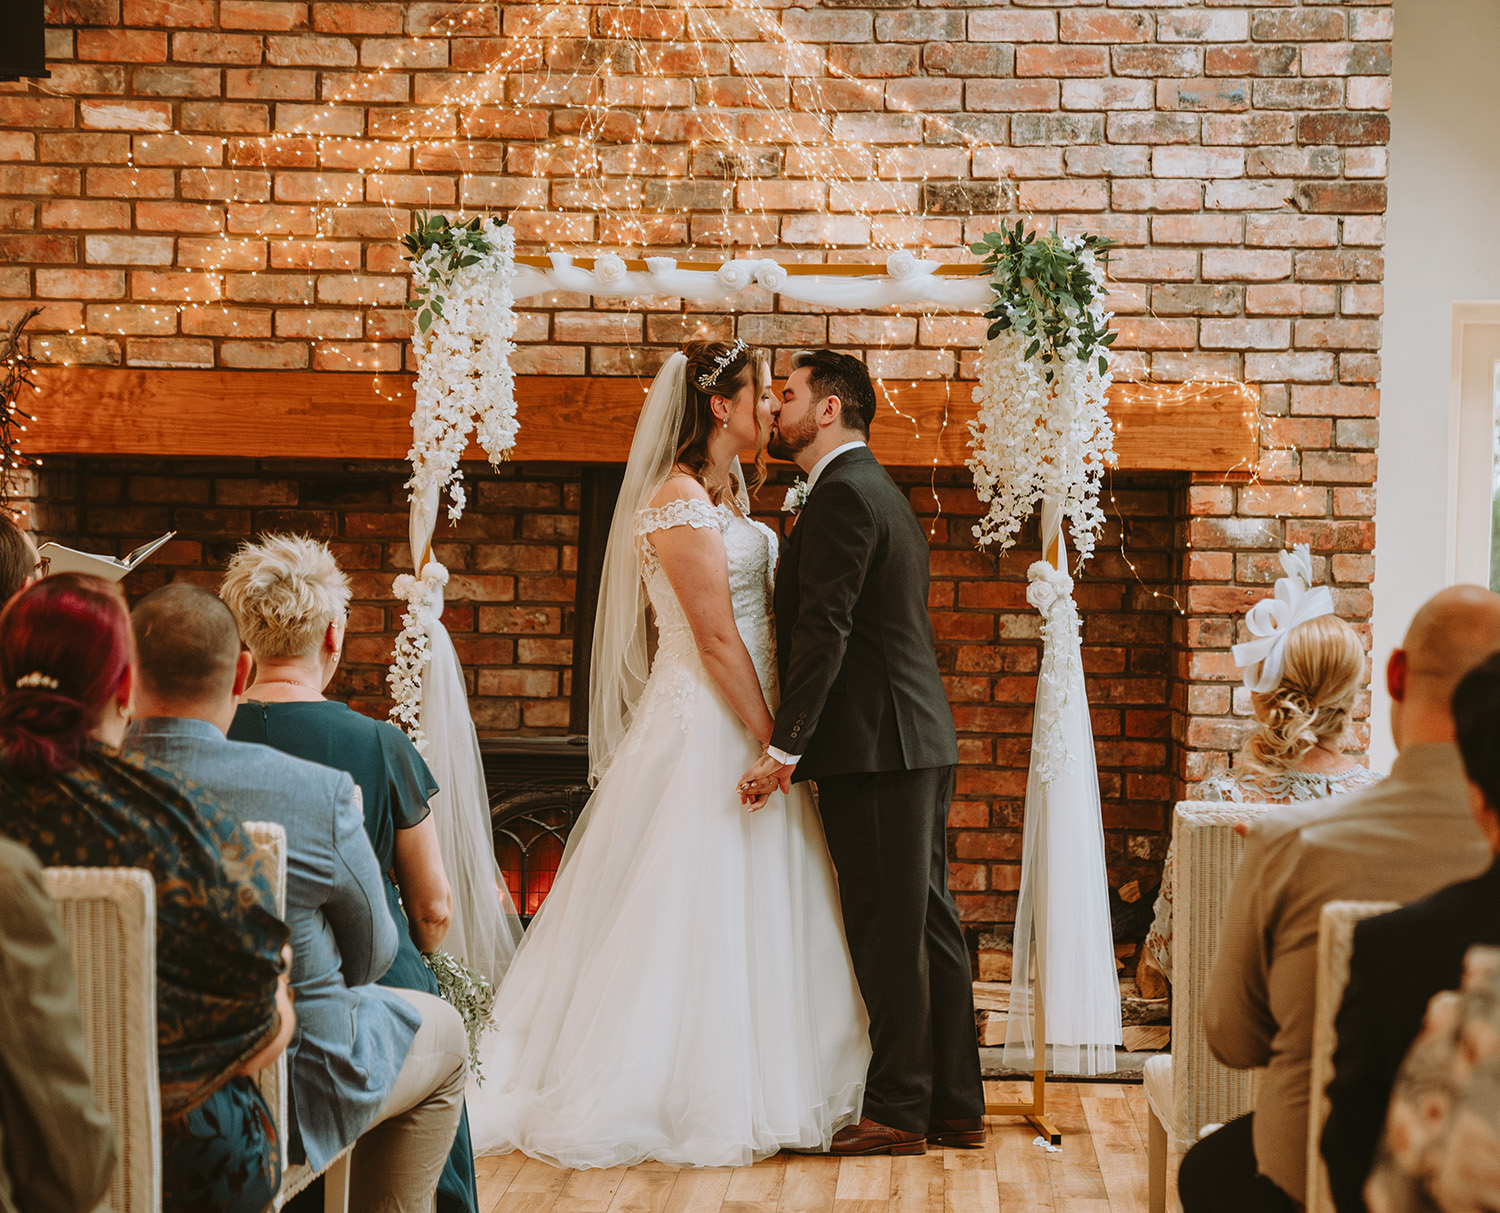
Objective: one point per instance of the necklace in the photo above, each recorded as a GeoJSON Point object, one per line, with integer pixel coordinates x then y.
{"type": "Point", "coordinates": [290, 682]}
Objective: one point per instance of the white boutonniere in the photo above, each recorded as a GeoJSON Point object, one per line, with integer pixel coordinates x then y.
{"type": "Point", "coordinates": [795, 499]}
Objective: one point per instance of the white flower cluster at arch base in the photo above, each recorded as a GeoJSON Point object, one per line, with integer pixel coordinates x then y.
{"type": "Point", "coordinates": [424, 607]}
{"type": "Point", "coordinates": [464, 377]}
{"type": "Point", "coordinates": [1036, 440]}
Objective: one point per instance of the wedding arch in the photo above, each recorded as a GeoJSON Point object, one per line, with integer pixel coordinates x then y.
{"type": "Point", "coordinates": [1039, 444]}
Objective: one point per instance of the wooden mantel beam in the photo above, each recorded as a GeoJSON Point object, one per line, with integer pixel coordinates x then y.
{"type": "Point", "coordinates": [330, 415]}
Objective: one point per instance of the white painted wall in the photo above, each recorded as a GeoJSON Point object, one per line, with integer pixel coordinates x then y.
{"type": "Point", "coordinates": [1442, 247]}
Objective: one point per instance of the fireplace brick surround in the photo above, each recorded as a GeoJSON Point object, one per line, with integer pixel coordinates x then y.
{"type": "Point", "coordinates": [1237, 153]}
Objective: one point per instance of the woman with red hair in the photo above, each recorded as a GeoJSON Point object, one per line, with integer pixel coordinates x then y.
{"type": "Point", "coordinates": [68, 794]}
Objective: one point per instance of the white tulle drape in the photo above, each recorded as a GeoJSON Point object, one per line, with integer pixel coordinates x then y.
{"type": "Point", "coordinates": [906, 280]}
{"type": "Point", "coordinates": [1063, 932]}
{"type": "Point", "coordinates": [485, 931]}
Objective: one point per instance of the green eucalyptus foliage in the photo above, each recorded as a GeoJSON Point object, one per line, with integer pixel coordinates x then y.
{"type": "Point", "coordinates": [469, 994]}
{"type": "Point", "coordinates": [1045, 292]}
{"type": "Point", "coordinates": [455, 245]}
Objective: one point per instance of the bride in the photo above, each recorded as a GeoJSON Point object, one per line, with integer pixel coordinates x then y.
{"type": "Point", "coordinates": [685, 993]}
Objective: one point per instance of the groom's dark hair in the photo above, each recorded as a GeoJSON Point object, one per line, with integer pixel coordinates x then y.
{"type": "Point", "coordinates": [844, 376]}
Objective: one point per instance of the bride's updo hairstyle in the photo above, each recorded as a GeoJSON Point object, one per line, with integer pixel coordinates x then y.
{"type": "Point", "coordinates": [65, 648]}
{"type": "Point", "coordinates": [732, 367]}
{"type": "Point", "coordinates": [1321, 674]}
{"type": "Point", "coordinates": [284, 592]}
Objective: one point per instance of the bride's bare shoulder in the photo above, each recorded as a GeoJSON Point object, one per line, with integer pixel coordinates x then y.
{"type": "Point", "coordinates": [679, 486]}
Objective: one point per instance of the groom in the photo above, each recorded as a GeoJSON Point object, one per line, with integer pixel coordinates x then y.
{"type": "Point", "coordinates": [864, 713]}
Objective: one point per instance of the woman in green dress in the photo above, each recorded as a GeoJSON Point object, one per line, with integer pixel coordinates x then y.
{"type": "Point", "coordinates": [290, 600]}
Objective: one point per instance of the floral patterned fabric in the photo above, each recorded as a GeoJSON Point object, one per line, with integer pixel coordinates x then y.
{"type": "Point", "coordinates": [1441, 1149]}
{"type": "Point", "coordinates": [1247, 787]}
{"type": "Point", "coordinates": [218, 943]}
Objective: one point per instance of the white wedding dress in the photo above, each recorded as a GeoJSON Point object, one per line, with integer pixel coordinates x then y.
{"type": "Point", "coordinates": [685, 993]}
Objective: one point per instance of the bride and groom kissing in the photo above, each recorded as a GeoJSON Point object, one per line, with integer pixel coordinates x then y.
{"type": "Point", "coordinates": [700, 988]}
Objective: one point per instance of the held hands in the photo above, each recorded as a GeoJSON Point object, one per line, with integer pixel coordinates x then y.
{"type": "Point", "coordinates": [764, 777]}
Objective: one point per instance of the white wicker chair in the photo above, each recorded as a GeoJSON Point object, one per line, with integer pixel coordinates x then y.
{"type": "Point", "coordinates": [1335, 948]}
{"type": "Point", "coordinates": [1189, 1088]}
{"type": "Point", "coordinates": [109, 915]}
{"type": "Point", "coordinates": [271, 838]}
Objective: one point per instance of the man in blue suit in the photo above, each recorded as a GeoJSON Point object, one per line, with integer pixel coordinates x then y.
{"type": "Point", "coordinates": [363, 1054]}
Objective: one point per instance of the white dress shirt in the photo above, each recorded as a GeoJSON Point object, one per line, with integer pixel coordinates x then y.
{"type": "Point", "coordinates": [781, 756]}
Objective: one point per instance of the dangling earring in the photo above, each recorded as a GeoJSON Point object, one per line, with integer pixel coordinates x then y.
{"type": "Point", "coordinates": [726, 422]}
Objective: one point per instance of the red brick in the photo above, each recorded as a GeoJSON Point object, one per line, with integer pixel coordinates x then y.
{"type": "Point", "coordinates": [1068, 61]}
{"type": "Point", "coordinates": [122, 45]}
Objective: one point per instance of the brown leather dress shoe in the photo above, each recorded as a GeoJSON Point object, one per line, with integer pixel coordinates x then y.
{"type": "Point", "coordinates": [872, 1137]}
{"type": "Point", "coordinates": [963, 1134]}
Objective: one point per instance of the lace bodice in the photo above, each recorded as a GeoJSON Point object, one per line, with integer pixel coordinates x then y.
{"type": "Point", "coordinates": [1283, 788]}
{"type": "Point", "coordinates": [751, 550]}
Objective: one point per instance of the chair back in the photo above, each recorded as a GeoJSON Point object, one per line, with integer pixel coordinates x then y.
{"type": "Point", "coordinates": [1206, 852]}
{"type": "Point", "coordinates": [1336, 926]}
{"type": "Point", "coordinates": [109, 915]}
{"type": "Point", "coordinates": [270, 839]}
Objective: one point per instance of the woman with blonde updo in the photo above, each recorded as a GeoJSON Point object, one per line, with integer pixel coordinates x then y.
{"type": "Point", "coordinates": [1304, 680]}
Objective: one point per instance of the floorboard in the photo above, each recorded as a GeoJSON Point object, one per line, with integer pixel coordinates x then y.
{"type": "Point", "coordinates": [1101, 1168]}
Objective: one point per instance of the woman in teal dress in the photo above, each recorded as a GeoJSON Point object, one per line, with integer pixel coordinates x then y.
{"type": "Point", "coordinates": [290, 600]}
{"type": "Point", "coordinates": [222, 1007]}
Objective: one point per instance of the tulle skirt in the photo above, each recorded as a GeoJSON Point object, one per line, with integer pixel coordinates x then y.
{"type": "Point", "coordinates": [685, 993]}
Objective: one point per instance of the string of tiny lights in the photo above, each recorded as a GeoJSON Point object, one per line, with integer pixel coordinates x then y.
{"type": "Point", "coordinates": [15, 376]}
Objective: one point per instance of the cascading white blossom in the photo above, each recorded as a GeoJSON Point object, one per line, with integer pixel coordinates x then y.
{"type": "Point", "coordinates": [464, 377]}
{"type": "Point", "coordinates": [1036, 440]}
{"type": "Point", "coordinates": [414, 646]}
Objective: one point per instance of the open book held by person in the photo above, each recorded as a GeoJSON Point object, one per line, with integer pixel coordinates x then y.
{"type": "Point", "coordinates": [58, 559]}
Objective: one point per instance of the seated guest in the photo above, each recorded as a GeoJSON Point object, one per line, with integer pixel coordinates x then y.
{"type": "Point", "coordinates": [1301, 691]}
{"type": "Point", "coordinates": [291, 600]}
{"type": "Point", "coordinates": [1441, 1148]}
{"type": "Point", "coordinates": [1403, 958]}
{"type": "Point", "coordinates": [57, 1149]}
{"type": "Point", "coordinates": [1398, 840]}
{"type": "Point", "coordinates": [19, 563]}
{"type": "Point", "coordinates": [363, 1054]}
{"type": "Point", "coordinates": [224, 1013]}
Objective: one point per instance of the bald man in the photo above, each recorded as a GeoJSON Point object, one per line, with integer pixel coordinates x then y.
{"type": "Point", "coordinates": [1397, 840]}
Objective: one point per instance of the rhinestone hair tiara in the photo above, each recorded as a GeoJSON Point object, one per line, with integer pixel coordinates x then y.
{"type": "Point", "coordinates": [707, 381]}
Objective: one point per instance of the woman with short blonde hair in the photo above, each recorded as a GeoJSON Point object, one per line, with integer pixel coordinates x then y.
{"type": "Point", "coordinates": [291, 600]}
{"type": "Point", "coordinates": [284, 591]}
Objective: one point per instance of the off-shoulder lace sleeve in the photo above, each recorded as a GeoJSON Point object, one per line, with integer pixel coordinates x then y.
{"type": "Point", "coordinates": [683, 512]}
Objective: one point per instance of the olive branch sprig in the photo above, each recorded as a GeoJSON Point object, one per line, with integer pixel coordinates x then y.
{"type": "Point", "coordinates": [438, 248]}
{"type": "Point", "coordinates": [1045, 291]}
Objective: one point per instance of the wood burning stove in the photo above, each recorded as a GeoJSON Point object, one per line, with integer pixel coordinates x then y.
{"type": "Point", "coordinates": [538, 786]}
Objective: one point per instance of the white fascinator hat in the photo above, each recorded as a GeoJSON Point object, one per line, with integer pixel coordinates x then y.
{"type": "Point", "coordinates": [1271, 620]}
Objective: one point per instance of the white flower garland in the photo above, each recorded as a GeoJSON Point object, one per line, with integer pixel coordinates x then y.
{"type": "Point", "coordinates": [414, 647]}
{"type": "Point", "coordinates": [1050, 590]}
{"type": "Point", "coordinates": [463, 361]}
{"type": "Point", "coordinates": [1042, 429]}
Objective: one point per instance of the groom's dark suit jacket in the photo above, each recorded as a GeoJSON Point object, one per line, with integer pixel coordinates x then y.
{"type": "Point", "coordinates": [860, 688]}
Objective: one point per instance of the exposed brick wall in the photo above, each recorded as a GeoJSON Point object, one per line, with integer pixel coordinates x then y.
{"type": "Point", "coordinates": [1237, 153]}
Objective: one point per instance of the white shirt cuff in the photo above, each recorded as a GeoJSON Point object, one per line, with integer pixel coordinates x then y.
{"type": "Point", "coordinates": [781, 756]}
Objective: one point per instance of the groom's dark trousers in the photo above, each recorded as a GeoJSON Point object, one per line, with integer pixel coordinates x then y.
{"type": "Point", "coordinates": [863, 704]}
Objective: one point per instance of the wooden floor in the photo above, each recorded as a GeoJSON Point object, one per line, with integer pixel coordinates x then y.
{"type": "Point", "coordinates": [1101, 1168]}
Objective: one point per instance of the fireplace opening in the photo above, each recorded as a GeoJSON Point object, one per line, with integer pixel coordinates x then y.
{"type": "Point", "coordinates": [538, 787]}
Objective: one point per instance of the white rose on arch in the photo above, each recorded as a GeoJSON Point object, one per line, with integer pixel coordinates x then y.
{"type": "Point", "coordinates": [1047, 585]}
{"type": "Point", "coordinates": [770, 274]}
{"type": "Point", "coordinates": [609, 269]}
{"type": "Point", "coordinates": [736, 275]}
{"type": "Point", "coordinates": [901, 264]}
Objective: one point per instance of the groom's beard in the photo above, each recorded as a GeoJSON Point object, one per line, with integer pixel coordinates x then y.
{"type": "Point", "coordinates": [787, 444]}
